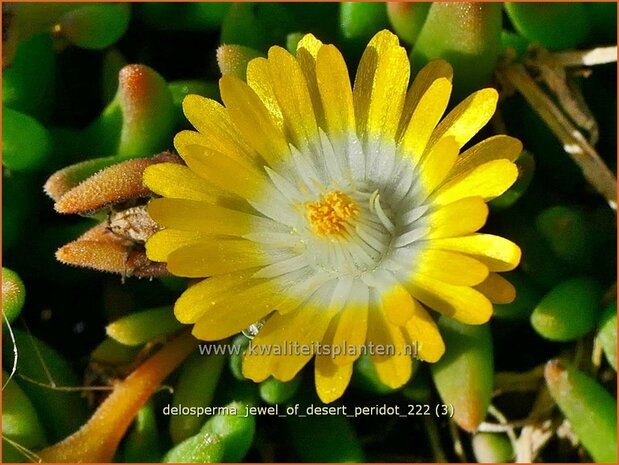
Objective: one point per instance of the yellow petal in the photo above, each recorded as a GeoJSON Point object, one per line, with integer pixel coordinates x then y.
{"type": "Point", "coordinates": [307, 54]}
{"type": "Point", "coordinates": [225, 173]}
{"type": "Point", "coordinates": [331, 379]}
{"type": "Point", "coordinates": [451, 267]}
{"type": "Point", "coordinates": [438, 162]}
{"type": "Point", "coordinates": [488, 181]}
{"type": "Point", "coordinates": [177, 181]}
{"type": "Point", "coordinates": [463, 216]}
{"type": "Point", "coordinates": [498, 289]}
{"type": "Point", "coordinates": [364, 79]}
{"type": "Point", "coordinates": [380, 87]}
{"type": "Point", "coordinates": [291, 91]}
{"type": "Point", "coordinates": [162, 243]}
{"type": "Point", "coordinates": [192, 215]}
{"type": "Point", "coordinates": [459, 302]}
{"type": "Point", "coordinates": [433, 71]}
{"type": "Point", "coordinates": [310, 44]}
{"type": "Point", "coordinates": [293, 334]}
{"type": "Point", "coordinates": [197, 299]}
{"type": "Point", "coordinates": [497, 253]}
{"type": "Point", "coordinates": [205, 114]}
{"type": "Point", "coordinates": [297, 295]}
{"type": "Point", "coordinates": [213, 122]}
{"type": "Point", "coordinates": [253, 120]}
{"type": "Point", "coordinates": [423, 332]}
{"type": "Point", "coordinates": [216, 257]}
{"type": "Point", "coordinates": [351, 326]}
{"type": "Point", "coordinates": [378, 119]}
{"type": "Point", "coordinates": [259, 79]}
{"type": "Point", "coordinates": [335, 90]}
{"type": "Point", "coordinates": [468, 117]}
{"type": "Point", "coordinates": [185, 139]}
{"type": "Point", "coordinates": [235, 310]}
{"type": "Point", "coordinates": [398, 304]}
{"type": "Point", "coordinates": [426, 115]}
{"type": "Point", "coordinates": [394, 368]}
{"type": "Point", "coordinates": [493, 148]}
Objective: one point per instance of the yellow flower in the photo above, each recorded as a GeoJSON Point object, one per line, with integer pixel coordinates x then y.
{"type": "Point", "coordinates": [334, 215]}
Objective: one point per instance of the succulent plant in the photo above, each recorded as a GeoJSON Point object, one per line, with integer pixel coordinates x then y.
{"type": "Point", "coordinates": [98, 365]}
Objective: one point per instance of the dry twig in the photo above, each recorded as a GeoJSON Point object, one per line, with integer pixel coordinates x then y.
{"type": "Point", "coordinates": [574, 143]}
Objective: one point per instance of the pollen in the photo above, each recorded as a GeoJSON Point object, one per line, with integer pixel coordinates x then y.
{"type": "Point", "coordinates": [330, 215]}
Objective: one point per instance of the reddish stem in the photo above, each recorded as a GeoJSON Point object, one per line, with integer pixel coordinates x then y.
{"type": "Point", "coordinates": [98, 439]}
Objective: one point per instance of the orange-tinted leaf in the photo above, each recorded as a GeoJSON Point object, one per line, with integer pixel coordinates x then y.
{"type": "Point", "coordinates": [102, 250]}
{"type": "Point", "coordinates": [112, 185]}
{"type": "Point", "coordinates": [97, 441]}
{"type": "Point", "coordinates": [67, 178]}
{"type": "Point", "coordinates": [117, 183]}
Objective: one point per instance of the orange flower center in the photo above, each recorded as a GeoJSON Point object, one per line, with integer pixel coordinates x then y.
{"type": "Point", "coordinates": [330, 215]}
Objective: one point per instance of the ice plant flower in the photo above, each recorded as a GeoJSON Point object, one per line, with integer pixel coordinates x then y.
{"type": "Point", "coordinates": [334, 214]}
